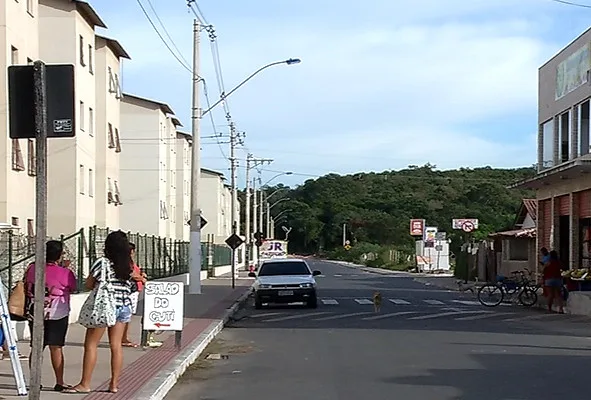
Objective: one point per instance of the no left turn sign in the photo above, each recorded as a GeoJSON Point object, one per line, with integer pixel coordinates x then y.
{"type": "Point", "coordinates": [467, 226]}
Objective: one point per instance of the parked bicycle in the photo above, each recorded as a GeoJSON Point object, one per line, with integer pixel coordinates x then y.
{"type": "Point", "coordinates": [519, 287]}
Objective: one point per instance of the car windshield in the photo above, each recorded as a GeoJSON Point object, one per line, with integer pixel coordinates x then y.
{"type": "Point", "coordinates": [284, 268]}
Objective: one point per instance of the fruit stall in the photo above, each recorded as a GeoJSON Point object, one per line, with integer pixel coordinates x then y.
{"type": "Point", "coordinates": [577, 279]}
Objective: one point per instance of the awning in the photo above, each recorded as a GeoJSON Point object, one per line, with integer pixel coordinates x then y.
{"type": "Point", "coordinates": [528, 233]}
{"type": "Point", "coordinates": [570, 170]}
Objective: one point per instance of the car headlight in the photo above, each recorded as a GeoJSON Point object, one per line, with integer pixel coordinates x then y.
{"type": "Point", "coordinates": [264, 286]}
{"type": "Point", "coordinates": [307, 285]}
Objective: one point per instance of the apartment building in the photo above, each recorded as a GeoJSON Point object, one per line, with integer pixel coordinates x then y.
{"type": "Point", "coordinates": [183, 185]}
{"type": "Point", "coordinates": [19, 41]}
{"type": "Point", "coordinates": [148, 172]}
{"type": "Point", "coordinates": [563, 182]}
{"type": "Point", "coordinates": [216, 205]}
{"type": "Point", "coordinates": [103, 182]}
{"type": "Point", "coordinates": [71, 194]}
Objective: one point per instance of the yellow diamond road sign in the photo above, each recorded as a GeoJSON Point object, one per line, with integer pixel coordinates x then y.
{"type": "Point", "coordinates": [347, 247]}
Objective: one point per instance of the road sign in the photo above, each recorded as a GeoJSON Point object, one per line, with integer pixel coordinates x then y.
{"type": "Point", "coordinates": [440, 236]}
{"type": "Point", "coordinates": [163, 306]}
{"type": "Point", "coordinates": [203, 222]}
{"type": "Point", "coordinates": [417, 227]}
{"type": "Point", "coordinates": [60, 101]}
{"type": "Point", "coordinates": [468, 226]}
{"type": "Point", "coordinates": [347, 247]}
{"type": "Point", "coordinates": [234, 241]}
{"type": "Point", "coordinates": [459, 223]}
{"type": "Point", "coordinates": [347, 242]}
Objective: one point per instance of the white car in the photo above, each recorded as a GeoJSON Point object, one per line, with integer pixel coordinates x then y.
{"type": "Point", "coordinates": [284, 281]}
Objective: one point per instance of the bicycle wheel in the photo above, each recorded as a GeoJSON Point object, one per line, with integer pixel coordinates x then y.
{"type": "Point", "coordinates": [527, 297]}
{"type": "Point", "coordinates": [490, 295]}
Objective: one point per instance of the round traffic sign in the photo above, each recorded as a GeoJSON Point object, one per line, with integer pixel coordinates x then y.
{"type": "Point", "coordinates": [467, 226]}
{"type": "Point", "coordinates": [347, 242]}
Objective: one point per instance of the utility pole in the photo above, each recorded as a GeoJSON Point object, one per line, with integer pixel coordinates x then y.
{"type": "Point", "coordinates": [233, 171]}
{"type": "Point", "coordinates": [254, 213]}
{"type": "Point", "coordinates": [195, 237]}
{"type": "Point", "coordinates": [251, 162]}
{"type": "Point", "coordinates": [269, 221]}
{"type": "Point", "coordinates": [261, 207]}
{"type": "Point", "coordinates": [344, 235]}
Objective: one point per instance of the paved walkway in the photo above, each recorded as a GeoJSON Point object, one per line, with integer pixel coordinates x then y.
{"type": "Point", "coordinates": [140, 366]}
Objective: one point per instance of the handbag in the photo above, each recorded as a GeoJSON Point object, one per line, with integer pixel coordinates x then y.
{"type": "Point", "coordinates": [99, 309]}
{"type": "Point", "coordinates": [17, 302]}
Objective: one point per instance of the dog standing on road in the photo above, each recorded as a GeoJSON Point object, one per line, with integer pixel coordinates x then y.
{"type": "Point", "coordinates": [377, 301]}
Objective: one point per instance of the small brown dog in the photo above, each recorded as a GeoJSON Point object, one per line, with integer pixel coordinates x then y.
{"type": "Point", "coordinates": [377, 301]}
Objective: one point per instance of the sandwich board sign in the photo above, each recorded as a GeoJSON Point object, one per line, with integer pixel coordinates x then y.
{"type": "Point", "coordinates": [163, 306]}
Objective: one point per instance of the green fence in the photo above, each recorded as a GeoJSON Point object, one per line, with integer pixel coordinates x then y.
{"type": "Point", "coordinates": [158, 257]}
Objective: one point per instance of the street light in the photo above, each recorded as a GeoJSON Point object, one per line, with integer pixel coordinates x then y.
{"type": "Point", "coordinates": [197, 114]}
{"type": "Point", "coordinates": [224, 96]}
{"type": "Point", "coordinates": [269, 207]}
{"type": "Point", "coordinates": [260, 211]}
{"type": "Point", "coordinates": [276, 176]}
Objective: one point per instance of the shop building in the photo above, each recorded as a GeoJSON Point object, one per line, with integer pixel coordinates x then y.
{"type": "Point", "coordinates": [563, 181]}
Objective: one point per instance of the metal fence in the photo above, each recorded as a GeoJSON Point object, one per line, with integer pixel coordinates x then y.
{"type": "Point", "coordinates": [158, 257]}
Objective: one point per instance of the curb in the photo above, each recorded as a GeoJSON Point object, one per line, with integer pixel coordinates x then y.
{"type": "Point", "coordinates": [164, 380]}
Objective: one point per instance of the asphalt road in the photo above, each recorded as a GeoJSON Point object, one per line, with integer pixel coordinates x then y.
{"type": "Point", "coordinates": [425, 344]}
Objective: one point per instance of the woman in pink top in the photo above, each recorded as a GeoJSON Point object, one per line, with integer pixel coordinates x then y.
{"type": "Point", "coordinates": [60, 282]}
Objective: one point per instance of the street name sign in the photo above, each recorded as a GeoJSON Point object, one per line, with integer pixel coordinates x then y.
{"type": "Point", "coordinates": [163, 306]}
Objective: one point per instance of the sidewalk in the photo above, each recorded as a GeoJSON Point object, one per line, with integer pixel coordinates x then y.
{"type": "Point", "coordinates": [143, 369]}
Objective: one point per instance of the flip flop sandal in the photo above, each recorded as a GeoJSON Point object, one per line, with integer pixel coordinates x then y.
{"type": "Point", "coordinates": [74, 390]}
{"type": "Point", "coordinates": [130, 344]}
{"type": "Point", "coordinates": [61, 388]}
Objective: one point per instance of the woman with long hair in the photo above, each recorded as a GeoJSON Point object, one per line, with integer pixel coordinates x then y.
{"type": "Point", "coordinates": [123, 281]}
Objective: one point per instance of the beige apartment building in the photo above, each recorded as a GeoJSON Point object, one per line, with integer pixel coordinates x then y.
{"type": "Point", "coordinates": [216, 206]}
{"type": "Point", "coordinates": [71, 162]}
{"type": "Point", "coordinates": [103, 182]}
{"type": "Point", "coordinates": [149, 169]}
{"type": "Point", "coordinates": [563, 182]}
{"type": "Point", "coordinates": [19, 40]}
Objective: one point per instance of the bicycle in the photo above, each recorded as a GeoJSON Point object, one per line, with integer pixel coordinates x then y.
{"type": "Point", "coordinates": [520, 286]}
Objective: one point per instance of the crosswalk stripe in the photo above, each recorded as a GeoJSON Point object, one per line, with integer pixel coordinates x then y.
{"type": "Point", "coordinates": [337, 275]}
{"type": "Point", "coordinates": [331, 302]}
{"type": "Point", "coordinates": [482, 316]}
{"type": "Point", "coordinates": [383, 316]}
{"type": "Point", "coordinates": [399, 302]}
{"type": "Point", "coordinates": [363, 301]}
{"type": "Point", "coordinates": [433, 302]}
{"type": "Point", "coordinates": [532, 317]}
{"type": "Point", "coordinates": [269, 314]}
{"type": "Point", "coordinates": [447, 314]}
{"type": "Point", "coordinates": [290, 317]}
{"type": "Point", "coordinates": [340, 316]}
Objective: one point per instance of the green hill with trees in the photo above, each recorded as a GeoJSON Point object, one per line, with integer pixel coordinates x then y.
{"type": "Point", "coordinates": [377, 207]}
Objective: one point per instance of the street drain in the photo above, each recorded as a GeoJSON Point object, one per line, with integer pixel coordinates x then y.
{"type": "Point", "coordinates": [217, 356]}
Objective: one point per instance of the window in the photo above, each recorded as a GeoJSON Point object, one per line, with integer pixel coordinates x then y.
{"type": "Point", "coordinates": [81, 178]}
{"type": "Point", "coordinates": [90, 59]}
{"type": "Point", "coordinates": [283, 268]}
{"type": "Point", "coordinates": [110, 194]}
{"type": "Point", "coordinates": [117, 141]}
{"type": "Point", "coordinates": [163, 210]}
{"type": "Point", "coordinates": [111, 138]}
{"type": "Point", "coordinates": [13, 55]}
{"type": "Point", "coordinates": [81, 122]}
{"type": "Point", "coordinates": [18, 163]}
{"type": "Point", "coordinates": [564, 137]}
{"type": "Point", "coordinates": [117, 87]}
{"type": "Point", "coordinates": [15, 222]}
{"type": "Point", "coordinates": [117, 194]}
{"type": "Point", "coordinates": [30, 228]}
{"type": "Point", "coordinates": [548, 144]}
{"type": "Point", "coordinates": [31, 158]}
{"type": "Point", "coordinates": [583, 131]}
{"type": "Point", "coordinates": [90, 182]}
{"type": "Point", "coordinates": [82, 62]}
{"type": "Point", "coordinates": [90, 121]}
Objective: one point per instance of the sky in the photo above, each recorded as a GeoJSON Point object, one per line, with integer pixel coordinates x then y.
{"type": "Point", "coordinates": [383, 84]}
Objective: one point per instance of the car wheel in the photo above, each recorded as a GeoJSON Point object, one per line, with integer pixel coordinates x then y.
{"type": "Point", "coordinates": [312, 302]}
{"type": "Point", "coordinates": [258, 304]}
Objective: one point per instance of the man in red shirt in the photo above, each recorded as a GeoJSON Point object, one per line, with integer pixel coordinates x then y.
{"type": "Point", "coordinates": [553, 281]}
{"type": "Point", "coordinates": [134, 298]}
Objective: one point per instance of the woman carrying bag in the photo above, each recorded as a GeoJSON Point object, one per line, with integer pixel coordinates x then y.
{"type": "Point", "coordinates": [108, 307]}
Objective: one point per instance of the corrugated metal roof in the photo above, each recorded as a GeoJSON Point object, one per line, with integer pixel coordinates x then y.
{"type": "Point", "coordinates": [531, 205]}
{"type": "Point", "coordinates": [517, 233]}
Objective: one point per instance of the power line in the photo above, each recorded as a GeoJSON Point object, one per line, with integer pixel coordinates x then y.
{"type": "Point", "coordinates": [162, 38]}
{"type": "Point", "coordinates": [570, 3]}
{"type": "Point", "coordinates": [180, 53]}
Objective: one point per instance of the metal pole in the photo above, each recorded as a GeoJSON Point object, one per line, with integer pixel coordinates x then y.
{"type": "Point", "coordinates": [261, 205]}
{"type": "Point", "coordinates": [268, 220]}
{"type": "Point", "coordinates": [39, 79]}
{"type": "Point", "coordinates": [233, 137]}
{"type": "Point", "coordinates": [272, 228]}
{"type": "Point", "coordinates": [195, 236]}
{"type": "Point", "coordinates": [255, 220]}
{"type": "Point", "coordinates": [247, 211]}
{"type": "Point", "coordinates": [344, 234]}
